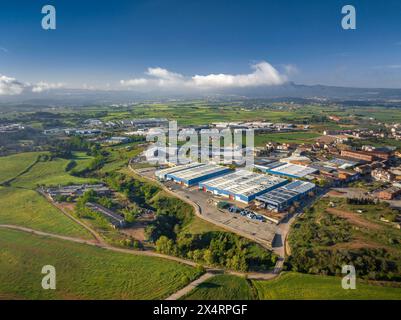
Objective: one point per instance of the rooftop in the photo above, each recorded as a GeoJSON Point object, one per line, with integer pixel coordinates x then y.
{"type": "Point", "coordinates": [293, 170]}
{"type": "Point", "coordinates": [197, 171]}
{"type": "Point", "coordinates": [244, 182]}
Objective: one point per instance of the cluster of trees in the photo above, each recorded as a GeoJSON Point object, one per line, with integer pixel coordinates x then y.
{"type": "Point", "coordinates": [135, 190]}
{"type": "Point", "coordinates": [373, 264]}
{"type": "Point", "coordinates": [327, 231]}
{"type": "Point", "coordinates": [218, 249]}
{"type": "Point", "coordinates": [313, 250]}
{"type": "Point", "coordinates": [168, 233]}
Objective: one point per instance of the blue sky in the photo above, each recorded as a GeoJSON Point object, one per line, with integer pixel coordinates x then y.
{"type": "Point", "coordinates": [100, 43]}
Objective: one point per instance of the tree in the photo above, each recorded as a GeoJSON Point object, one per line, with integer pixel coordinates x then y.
{"type": "Point", "coordinates": [165, 245]}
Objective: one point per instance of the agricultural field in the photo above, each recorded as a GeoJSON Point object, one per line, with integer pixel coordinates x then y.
{"type": "Point", "coordinates": [49, 173]}
{"type": "Point", "coordinates": [11, 166]}
{"type": "Point", "coordinates": [222, 287]}
{"type": "Point", "coordinates": [287, 137]}
{"type": "Point", "coordinates": [296, 286]}
{"type": "Point", "coordinates": [83, 272]}
{"type": "Point", "coordinates": [199, 113]}
{"type": "Point", "coordinates": [82, 160]}
{"type": "Point", "coordinates": [119, 157]}
{"type": "Point", "coordinates": [27, 208]}
{"type": "Point", "coordinates": [290, 286]}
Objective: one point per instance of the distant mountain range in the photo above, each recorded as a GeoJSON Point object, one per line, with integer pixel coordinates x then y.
{"type": "Point", "coordinates": [288, 91]}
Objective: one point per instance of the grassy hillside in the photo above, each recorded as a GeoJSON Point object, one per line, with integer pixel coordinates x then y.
{"type": "Point", "coordinates": [48, 173]}
{"type": "Point", "coordinates": [222, 287]}
{"type": "Point", "coordinates": [29, 209]}
{"type": "Point", "coordinates": [303, 286]}
{"type": "Point", "coordinates": [289, 286]}
{"type": "Point", "coordinates": [83, 272]}
{"type": "Point", "coordinates": [13, 165]}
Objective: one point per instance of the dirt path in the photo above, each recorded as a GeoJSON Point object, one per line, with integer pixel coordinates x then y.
{"type": "Point", "coordinates": [354, 218]}
{"type": "Point", "coordinates": [190, 287]}
{"type": "Point", "coordinates": [96, 235]}
{"type": "Point", "coordinates": [251, 275]}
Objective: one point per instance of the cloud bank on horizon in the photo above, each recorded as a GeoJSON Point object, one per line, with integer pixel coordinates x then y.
{"type": "Point", "coordinates": [263, 74]}
{"type": "Point", "coordinates": [11, 86]}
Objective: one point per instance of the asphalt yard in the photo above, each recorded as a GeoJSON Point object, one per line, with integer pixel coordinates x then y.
{"type": "Point", "coordinates": [261, 232]}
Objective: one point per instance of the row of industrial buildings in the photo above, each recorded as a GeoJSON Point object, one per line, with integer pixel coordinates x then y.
{"type": "Point", "coordinates": [273, 192]}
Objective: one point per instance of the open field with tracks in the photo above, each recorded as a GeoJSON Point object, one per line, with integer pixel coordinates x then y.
{"type": "Point", "coordinates": [83, 272]}
{"type": "Point", "coordinates": [28, 208]}
{"type": "Point", "coordinates": [13, 165]}
{"type": "Point", "coordinates": [289, 286]}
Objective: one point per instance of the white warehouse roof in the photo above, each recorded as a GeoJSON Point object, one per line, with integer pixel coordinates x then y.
{"type": "Point", "coordinates": [293, 170]}
{"type": "Point", "coordinates": [243, 182]}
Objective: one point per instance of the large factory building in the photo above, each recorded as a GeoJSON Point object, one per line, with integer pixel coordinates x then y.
{"type": "Point", "coordinates": [242, 185]}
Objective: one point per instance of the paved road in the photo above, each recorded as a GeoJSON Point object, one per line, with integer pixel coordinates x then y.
{"type": "Point", "coordinates": [190, 287]}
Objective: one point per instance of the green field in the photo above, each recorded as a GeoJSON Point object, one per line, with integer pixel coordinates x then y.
{"type": "Point", "coordinates": [286, 137]}
{"type": "Point", "coordinates": [222, 287]}
{"type": "Point", "coordinates": [13, 165]}
{"type": "Point", "coordinates": [48, 173]}
{"type": "Point", "coordinates": [82, 160]}
{"type": "Point", "coordinates": [27, 208]}
{"type": "Point", "coordinates": [289, 286]}
{"type": "Point", "coordinates": [302, 286]}
{"type": "Point", "coordinates": [83, 272]}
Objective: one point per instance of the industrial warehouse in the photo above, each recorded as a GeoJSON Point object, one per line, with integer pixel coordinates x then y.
{"type": "Point", "coordinates": [190, 175]}
{"type": "Point", "coordinates": [286, 169]}
{"type": "Point", "coordinates": [281, 198]}
{"type": "Point", "coordinates": [242, 185]}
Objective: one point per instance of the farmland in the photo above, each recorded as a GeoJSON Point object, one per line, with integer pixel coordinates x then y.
{"type": "Point", "coordinates": [13, 165]}
{"type": "Point", "coordinates": [27, 208]}
{"type": "Point", "coordinates": [288, 137]}
{"type": "Point", "coordinates": [83, 272]}
{"type": "Point", "coordinates": [300, 286]}
{"type": "Point", "coordinates": [222, 287]}
{"type": "Point", "coordinates": [48, 173]}
{"type": "Point", "coordinates": [21, 204]}
{"type": "Point", "coordinates": [290, 286]}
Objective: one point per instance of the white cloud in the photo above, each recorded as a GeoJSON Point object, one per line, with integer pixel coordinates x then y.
{"type": "Point", "coordinates": [10, 86]}
{"type": "Point", "coordinates": [44, 86]}
{"type": "Point", "coordinates": [264, 74]}
{"type": "Point", "coordinates": [3, 49]}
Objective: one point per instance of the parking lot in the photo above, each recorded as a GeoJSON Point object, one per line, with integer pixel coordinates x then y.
{"type": "Point", "coordinates": [262, 232]}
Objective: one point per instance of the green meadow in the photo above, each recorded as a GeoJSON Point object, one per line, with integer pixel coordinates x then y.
{"type": "Point", "coordinates": [29, 209]}
{"type": "Point", "coordinates": [82, 271]}
{"type": "Point", "coordinates": [290, 286]}
{"type": "Point", "coordinates": [286, 137]}
{"type": "Point", "coordinates": [48, 173]}
{"type": "Point", "coordinates": [222, 287]}
{"type": "Point", "coordinates": [21, 204]}
{"type": "Point", "coordinates": [13, 165]}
